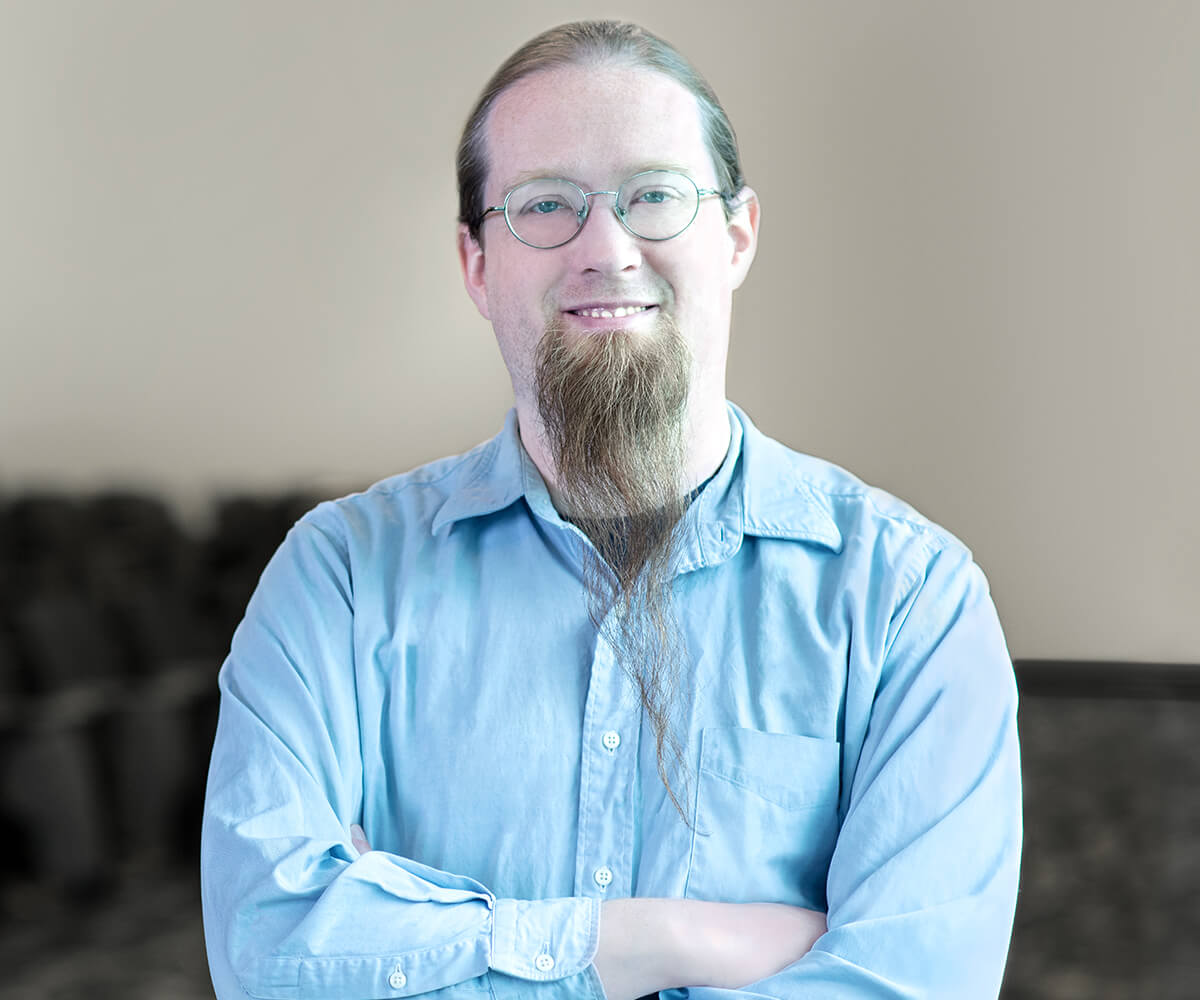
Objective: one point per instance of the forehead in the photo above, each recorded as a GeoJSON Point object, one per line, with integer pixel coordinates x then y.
{"type": "Point", "coordinates": [594, 125]}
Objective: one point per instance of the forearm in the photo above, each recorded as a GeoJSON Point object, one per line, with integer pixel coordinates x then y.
{"type": "Point", "coordinates": [656, 944]}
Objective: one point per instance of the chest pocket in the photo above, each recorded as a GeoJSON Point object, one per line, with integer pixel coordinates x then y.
{"type": "Point", "coordinates": [765, 819]}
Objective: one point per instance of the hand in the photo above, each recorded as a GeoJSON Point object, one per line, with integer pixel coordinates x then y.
{"type": "Point", "coordinates": [654, 944]}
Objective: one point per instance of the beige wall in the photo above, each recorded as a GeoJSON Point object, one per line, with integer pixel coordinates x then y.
{"type": "Point", "coordinates": [226, 261]}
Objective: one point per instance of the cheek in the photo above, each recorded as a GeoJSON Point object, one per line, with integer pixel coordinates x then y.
{"type": "Point", "coordinates": [704, 267]}
{"type": "Point", "coordinates": [703, 289]}
{"type": "Point", "coordinates": [516, 286]}
{"type": "Point", "coordinates": [516, 305]}
{"type": "Point", "coordinates": [703, 308]}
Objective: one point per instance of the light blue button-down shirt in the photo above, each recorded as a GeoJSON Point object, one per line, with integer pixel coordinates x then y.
{"type": "Point", "coordinates": [418, 658]}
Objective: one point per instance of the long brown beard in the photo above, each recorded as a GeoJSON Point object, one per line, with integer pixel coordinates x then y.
{"type": "Point", "coordinates": [613, 407]}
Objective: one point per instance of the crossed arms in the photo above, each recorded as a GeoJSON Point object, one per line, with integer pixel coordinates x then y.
{"type": "Point", "coordinates": [647, 945]}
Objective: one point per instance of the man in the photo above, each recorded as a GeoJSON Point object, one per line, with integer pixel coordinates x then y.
{"type": "Point", "coordinates": [630, 698]}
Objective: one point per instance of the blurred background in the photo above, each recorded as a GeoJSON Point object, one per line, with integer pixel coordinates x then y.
{"type": "Point", "coordinates": [228, 289]}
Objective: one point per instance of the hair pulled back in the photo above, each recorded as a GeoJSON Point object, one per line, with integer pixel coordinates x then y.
{"type": "Point", "coordinates": [592, 42]}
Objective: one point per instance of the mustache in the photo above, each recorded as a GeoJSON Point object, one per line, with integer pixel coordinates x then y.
{"type": "Point", "coordinates": [576, 295]}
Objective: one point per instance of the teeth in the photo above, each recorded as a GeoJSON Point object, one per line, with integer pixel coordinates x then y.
{"type": "Point", "coordinates": [611, 313]}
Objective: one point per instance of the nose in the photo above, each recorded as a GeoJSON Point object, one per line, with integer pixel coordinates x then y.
{"type": "Point", "coordinates": [604, 245]}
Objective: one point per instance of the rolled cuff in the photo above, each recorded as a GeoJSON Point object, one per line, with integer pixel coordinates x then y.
{"type": "Point", "coordinates": [544, 940]}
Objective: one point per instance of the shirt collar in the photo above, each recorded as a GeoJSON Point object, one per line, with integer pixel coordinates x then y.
{"type": "Point", "coordinates": [762, 488]}
{"type": "Point", "coordinates": [489, 477]}
{"type": "Point", "coordinates": [759, 490]}
{"type": "Point", "coordinates": [781, 496]}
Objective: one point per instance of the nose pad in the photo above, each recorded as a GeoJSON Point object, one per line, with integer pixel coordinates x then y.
{"type": "Point", "coordinates": [604, 244]}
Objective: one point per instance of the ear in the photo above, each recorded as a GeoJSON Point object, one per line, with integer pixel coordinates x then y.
{"type": "Point", "coordinates": [743, 231]}
{"type": "Point", "coordinates": [470, 257]}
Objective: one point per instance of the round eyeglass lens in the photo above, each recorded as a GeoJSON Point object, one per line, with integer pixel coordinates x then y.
{"type": "Point", "coordinates": [545, 213]}
{"type": "Point", "coordinates": [658, 204]}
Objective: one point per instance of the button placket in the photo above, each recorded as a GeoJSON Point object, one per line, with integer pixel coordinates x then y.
{"type": "Point", "coordinates": [603, 858]}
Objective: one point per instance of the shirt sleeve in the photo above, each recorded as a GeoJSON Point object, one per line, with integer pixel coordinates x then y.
{"type": "Point", "coordinates": [923, 881]}
{"type": "Point", "coordinates": [291, 911]}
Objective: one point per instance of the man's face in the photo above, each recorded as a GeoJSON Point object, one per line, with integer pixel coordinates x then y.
{"type": "Point", "coordinates": [597, 126]}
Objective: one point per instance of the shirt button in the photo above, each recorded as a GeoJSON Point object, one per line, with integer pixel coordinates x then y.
{"type": "Point", "coordinates": [611, 740]}
{"type": "Point", "coordinates": [397, 980]}
{"type": "Point", "coordinates": [544, 962]}
{"type": "Point", "coordinates": [603, 876]}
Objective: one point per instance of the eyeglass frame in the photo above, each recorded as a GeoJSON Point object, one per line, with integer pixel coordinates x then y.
{"type": "Point", "coordinates": [701, 194]}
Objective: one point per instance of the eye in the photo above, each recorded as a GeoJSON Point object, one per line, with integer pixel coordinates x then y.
{"type": "Point", "coordinates": [658, 194]}
{"type": "Point", "coordinates": [543, 206]}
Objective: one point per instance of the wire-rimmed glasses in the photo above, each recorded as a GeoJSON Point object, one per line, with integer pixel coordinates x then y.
{"type": "Point", "coordinates": [654, 205]}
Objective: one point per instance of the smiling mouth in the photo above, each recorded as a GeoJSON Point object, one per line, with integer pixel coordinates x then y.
{"type": "Point", "coordinates": [602, 312]}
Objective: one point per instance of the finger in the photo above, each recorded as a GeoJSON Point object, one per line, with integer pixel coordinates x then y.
{"type": "Point", "coordinates": [358, 838]}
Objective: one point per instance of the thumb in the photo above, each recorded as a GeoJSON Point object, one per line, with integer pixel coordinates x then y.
{"type": "Point", "coordinates": [358, 838]}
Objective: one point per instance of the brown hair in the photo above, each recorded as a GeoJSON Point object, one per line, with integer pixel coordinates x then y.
{"type": "Point", "coordinates": [583, 42]}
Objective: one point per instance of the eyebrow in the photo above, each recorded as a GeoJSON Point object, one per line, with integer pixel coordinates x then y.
{"type": "Point", "coordinates": [565, 175]}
